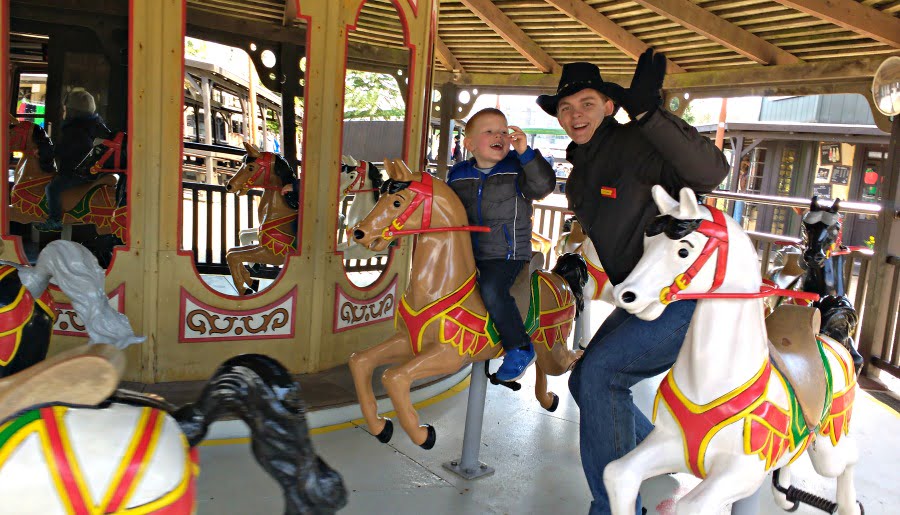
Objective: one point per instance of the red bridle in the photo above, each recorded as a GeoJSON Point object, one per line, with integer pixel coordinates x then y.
{"type": "Point", "coordinates": [424, 195]}
{"type": "Point", "coordinates": [717, 232]}
{"type": "Point", "coordinates": [264, 164]}
{"type": "Point", "coordinates": [18, 136]}
{"type": "Point", "coordinates": [114, 152]}
{"type": "Point", "coordinates": [356, 186]}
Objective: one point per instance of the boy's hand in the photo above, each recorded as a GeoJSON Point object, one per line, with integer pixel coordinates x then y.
{"type": "Point", "coordinates": [518, 139]}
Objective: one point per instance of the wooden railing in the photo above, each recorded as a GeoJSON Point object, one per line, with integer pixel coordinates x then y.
{"type": "Point", "coordinates": [889, 357]}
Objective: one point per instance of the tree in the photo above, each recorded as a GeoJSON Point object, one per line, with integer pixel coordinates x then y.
{"type": "Point", "coordinates": [374, 96]}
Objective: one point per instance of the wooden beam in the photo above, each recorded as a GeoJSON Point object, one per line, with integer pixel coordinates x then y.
{"type": "Point", "coordinates": [290, 13]}
{"type": "Point", "coordinates": [883, 27]}
{"type": "Point", "coordinates": [723, 32]}
{"type": "Point", "coordinates": [515, 36]}
{"type": "Point", "coordinates": [606, 29]}
{"type": "Point", "coordinates": [445, 56]}
{"type": "Point", "coordinates": [819, 77]}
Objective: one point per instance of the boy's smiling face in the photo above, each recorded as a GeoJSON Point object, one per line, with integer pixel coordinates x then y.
{"type": "Point", "coordinates": [488, 140]}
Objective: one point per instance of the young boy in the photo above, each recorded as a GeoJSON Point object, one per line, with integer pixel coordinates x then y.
{"type": "Point", "coordinates": [497, 186]}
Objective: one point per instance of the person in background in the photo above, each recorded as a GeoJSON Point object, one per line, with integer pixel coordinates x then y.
{"type": "Point", "coordinates": [614, 168]}
{"type": "Point", "coordinates": [497, 187]}
{"type": "Point", "coordinates": [80, 125]}
{"type": "Point", "coordinates": [456, 156]}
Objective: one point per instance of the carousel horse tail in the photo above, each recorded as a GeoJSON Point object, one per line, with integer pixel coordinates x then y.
{"type": "Point", "coordinates": [573, 269]}
{"type": "Point", "coordinates": [75, 270]}
{"type": "Point", "coordinates": [258, 390]}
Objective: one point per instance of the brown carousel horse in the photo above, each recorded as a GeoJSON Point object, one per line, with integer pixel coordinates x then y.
{"type": "Point", "coordinates": [277, 232]}
{"type": "Point", "coordinates": [94, 203]}
{"type": "Point", "coordinates": [442, 322]}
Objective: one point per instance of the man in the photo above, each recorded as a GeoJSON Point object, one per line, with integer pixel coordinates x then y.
{"type": "Point", "coordinates": [614, 168]}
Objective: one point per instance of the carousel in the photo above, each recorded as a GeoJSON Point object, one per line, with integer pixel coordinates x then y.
{"type": "Point", "coordinates": [256, 246]}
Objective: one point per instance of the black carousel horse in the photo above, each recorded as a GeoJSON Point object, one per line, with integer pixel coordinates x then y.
{"type": "Point", "coordinates": [823, 259]}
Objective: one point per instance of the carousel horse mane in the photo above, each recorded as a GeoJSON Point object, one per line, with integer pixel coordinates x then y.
{"type": "Point", "coordinates": [573, 269]}
{"type": "Point", "coordinates": [374, 175]}
{"type": "Point", "coordinates": [260, 391]}
{"type": "Point", "coordinates": [282, 169]}
{"type": "Point", "coordinates": [44, 147]}
{"type": "Point", "coordinates": [75, 270]}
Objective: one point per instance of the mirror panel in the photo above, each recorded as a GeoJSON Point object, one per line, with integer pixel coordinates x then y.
{"type": "Point", "coordinates": [374, 128]}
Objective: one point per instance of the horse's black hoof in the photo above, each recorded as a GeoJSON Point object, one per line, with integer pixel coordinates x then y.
{"type": "Point", "coordinates": [387, 432]}
{"type": "Point", "coordinates": [431, 439]}
{"type": "Point", "coordinates": [554, 404]}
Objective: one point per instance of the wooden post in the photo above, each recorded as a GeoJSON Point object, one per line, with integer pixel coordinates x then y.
{"type": "Point", "coordinates": [887, 242]}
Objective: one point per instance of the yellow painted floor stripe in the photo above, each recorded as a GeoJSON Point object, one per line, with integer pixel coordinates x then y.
{"type": "Point", "coordinates": [883, 405]}
{"type": "Point", "coordinates": [459, 387]}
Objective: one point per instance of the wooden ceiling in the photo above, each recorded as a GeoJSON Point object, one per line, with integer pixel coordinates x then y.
{"type": "Point", "coordinates": [710, 43]}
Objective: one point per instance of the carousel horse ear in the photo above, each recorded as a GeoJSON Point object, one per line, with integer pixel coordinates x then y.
{"type": "Point", "coordinates": [404, 170]}
{"type": "Point", "coordinates": [689, 209]}
{"type": "Point", "coordinates": [835, 206]}
{"type": "Point", "coordinates": [664, 202]}
{"type": "Point", "coordinates": [814, 204]}
{"type": "Point", "coordinates": [390, 169]}
{"type": "Point", "coordinates": [252, 151]}
{"type": "Point", "coordinates": [349, 161]}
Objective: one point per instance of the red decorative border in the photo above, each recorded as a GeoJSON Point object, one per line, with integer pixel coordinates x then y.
{"type": "Point", "coordinates": [120, 307]}
{"type": "Point", "coordinates": [185, 295]}
{"type": "Point", "coordinates": [338, 290]}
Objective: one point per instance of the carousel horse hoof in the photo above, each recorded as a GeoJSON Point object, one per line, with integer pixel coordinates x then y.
{"type": "Point", "coordinates": [387, 432]}
{"type": "Point", "coordinates": [554, 404]}
{"type": "Point", "coordinates": [430, 439]}
{"type": "Point", "coordinates": [512, 385]}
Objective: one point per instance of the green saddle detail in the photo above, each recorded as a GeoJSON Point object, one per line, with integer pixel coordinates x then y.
{"type": "Point", "coordinates": [84, 205]}
{"type": "Point", "coordinates": [16, 424]}
{"type": "Point", "coordinates": [798, 424]}
{"type": "Point", "coordinates": [532, 320]}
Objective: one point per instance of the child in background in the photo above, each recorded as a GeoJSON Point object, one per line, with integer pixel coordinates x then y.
{"type": "Point", "coordinates": [497, 186]}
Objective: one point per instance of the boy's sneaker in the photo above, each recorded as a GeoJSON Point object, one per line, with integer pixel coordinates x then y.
{"type": "Point", "coordinates": [51, 225]}
{"type": "Point", "coordinates": [515, 363]}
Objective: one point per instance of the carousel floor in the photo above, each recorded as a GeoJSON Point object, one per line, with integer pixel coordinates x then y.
{"type": "Point", "coordinates": [535, 454]}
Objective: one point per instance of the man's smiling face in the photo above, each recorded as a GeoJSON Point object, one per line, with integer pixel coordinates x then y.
{"type": "Point", "coordinates": [580, 113]}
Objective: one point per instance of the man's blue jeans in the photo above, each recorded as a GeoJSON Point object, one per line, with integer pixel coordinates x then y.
{"type": "Point", "coordinates": [624, 351]}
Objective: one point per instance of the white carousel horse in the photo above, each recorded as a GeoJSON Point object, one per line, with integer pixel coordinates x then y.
{"type": "Point", "coordinates": [734, 406]}
{"type": "Point", "coordinates": [598, 287]}
{"type": "Point", "coordinates": [364, 186]}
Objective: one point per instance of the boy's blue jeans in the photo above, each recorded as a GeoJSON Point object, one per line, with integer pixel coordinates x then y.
{"type": "Point", "coordinates": [624, 351]}
{"type": "Point", "coordinates": [495, 278]}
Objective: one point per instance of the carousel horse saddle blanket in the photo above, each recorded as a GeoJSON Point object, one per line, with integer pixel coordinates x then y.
{"type": "Point", "coordinates": [797, 354]}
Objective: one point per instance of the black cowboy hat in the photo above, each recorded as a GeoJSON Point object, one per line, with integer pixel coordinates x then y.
{"type": "Point", "coordinates": [576, 77]}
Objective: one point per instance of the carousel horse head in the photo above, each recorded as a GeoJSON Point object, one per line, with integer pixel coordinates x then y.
{"type": "Point", "coordinates": [31, 139]}
{"type": "Point", "coordinates": [266, 170]}
{"type": "Point", "coordinates": [821, 232]}
{"type": "Point", "coordinates": [397, 207]}
{"type": "Point", "coordinates": [686, 249]}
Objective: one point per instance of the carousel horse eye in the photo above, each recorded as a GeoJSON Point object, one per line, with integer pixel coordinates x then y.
{"type": "Point", "coordinates": [396, 203]}
{"type": "Point", "coordinates": [683, 253]}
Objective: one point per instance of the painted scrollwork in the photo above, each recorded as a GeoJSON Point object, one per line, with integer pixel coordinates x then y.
{"type": "Point", "coordinates": [352, 314]}
{"type": "Point", "coordinates": [204, 322]}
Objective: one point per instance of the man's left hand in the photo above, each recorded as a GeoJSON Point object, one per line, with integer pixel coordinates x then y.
{"type": "Point", "coordinates": [644, 94]}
